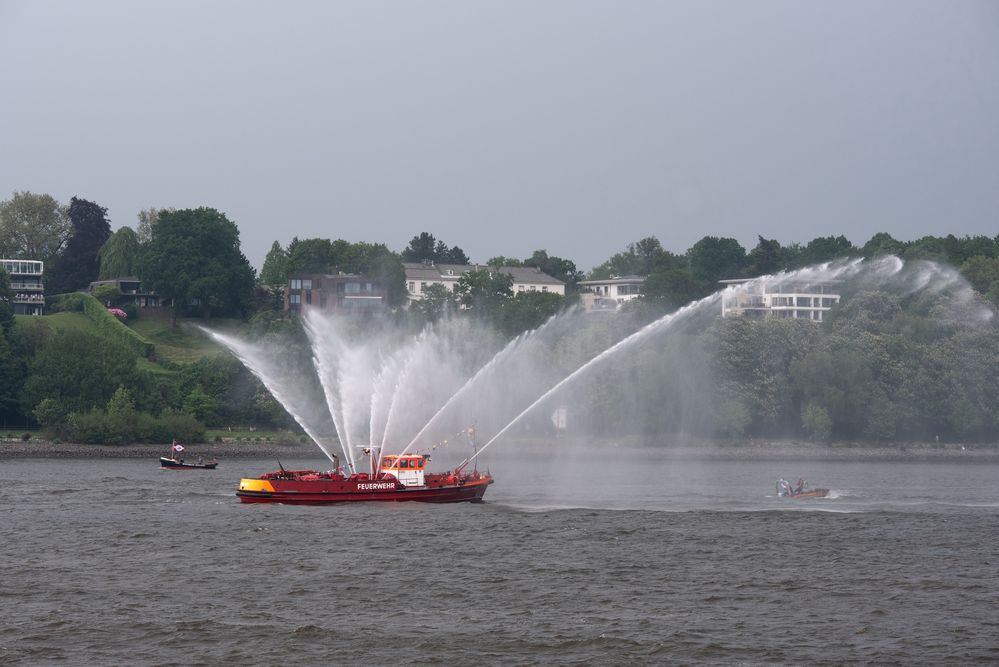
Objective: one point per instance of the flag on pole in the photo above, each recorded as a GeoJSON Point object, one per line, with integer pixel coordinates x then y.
{"type": "Point", "coordinates": [177, 447]}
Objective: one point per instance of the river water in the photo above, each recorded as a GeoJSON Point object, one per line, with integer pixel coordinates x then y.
{"type": "Point", "coordinates": [595, 557]}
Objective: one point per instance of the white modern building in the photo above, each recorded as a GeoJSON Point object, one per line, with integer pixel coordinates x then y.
{"type": "Point", "coordinates": [420, 276]}
{"type": "Point", "coordinates": [611, 293]}
{"type": "Point", "coordinates": [26, 283]}
{"type": "Point", "coordinates": [752, 298]}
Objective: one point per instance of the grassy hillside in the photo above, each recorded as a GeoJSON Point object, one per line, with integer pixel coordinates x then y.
{"type": "Point", "coordinates": [182, 345]}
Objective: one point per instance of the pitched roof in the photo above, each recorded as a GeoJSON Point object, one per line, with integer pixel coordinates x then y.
{"type": "Point", "coordinates": [520, 274]}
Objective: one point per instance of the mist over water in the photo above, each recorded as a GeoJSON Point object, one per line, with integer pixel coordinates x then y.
{"type": "Point", "coordinates": [374, 385]}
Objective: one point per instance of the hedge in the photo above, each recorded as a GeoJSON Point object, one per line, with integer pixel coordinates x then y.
{"type": "Point", "coordinates": [115, 330]}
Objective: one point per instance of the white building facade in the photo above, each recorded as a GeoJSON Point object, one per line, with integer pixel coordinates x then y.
{"type": "Point", "coordinates": [26, 283]}
{"type": "Point", "coordinates": [420, 276]}
{"type": "Point", "coordinates": [611, 293]}
{"type": "Point", "coordinates": [778, 299]}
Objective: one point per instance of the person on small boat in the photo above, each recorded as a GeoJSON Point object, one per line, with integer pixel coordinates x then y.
{"type": "Point", "coordinates": [801, 485]}
{"type": "Point", "coordinates": [783, 487]}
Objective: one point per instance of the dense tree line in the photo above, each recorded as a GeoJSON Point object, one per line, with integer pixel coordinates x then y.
{"type": "Point", "coordinates": [884, 367]}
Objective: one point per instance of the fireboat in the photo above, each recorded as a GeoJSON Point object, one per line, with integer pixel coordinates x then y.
{"type": "Point", "coordinates": [398, 478]}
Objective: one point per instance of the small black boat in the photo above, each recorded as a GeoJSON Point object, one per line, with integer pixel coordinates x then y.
{"type": "Point", "coordinates": [181, 464]}
{"type": "Point", "coordinates": [174, 462]}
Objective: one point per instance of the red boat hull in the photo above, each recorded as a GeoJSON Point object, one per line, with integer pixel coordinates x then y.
{"type": "Point", "coordinates": [299, 491]}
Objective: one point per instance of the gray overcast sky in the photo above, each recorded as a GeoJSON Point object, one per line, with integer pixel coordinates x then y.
{"type": "Point", "coordinates": [508, 126]}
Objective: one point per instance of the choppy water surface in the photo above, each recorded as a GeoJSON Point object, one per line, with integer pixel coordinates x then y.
{"type": "Point", "coordinates": [598, 557]}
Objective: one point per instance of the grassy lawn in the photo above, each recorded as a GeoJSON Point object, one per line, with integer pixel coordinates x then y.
{"type": "Point", "coordinates": [184, 344]}
{"type": "Point", "coordinates": [59, 322]}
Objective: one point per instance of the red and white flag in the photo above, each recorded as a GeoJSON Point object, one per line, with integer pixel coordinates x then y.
{"type": "Point", "coordinates": [178, 447]}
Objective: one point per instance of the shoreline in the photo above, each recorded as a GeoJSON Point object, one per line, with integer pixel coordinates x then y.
{"type": "Point", "coordinates": [707, 451]}
{"type": "Point", "coordinates": [40, 449]}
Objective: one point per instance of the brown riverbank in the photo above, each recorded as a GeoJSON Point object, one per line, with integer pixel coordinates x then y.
{"type": "Point", "coordinates": [40, 449]}
{"type": "Point", "coordinates": [707, 450]}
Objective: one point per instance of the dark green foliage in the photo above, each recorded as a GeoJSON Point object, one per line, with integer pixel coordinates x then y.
{"type": "Point", "coordinates": [80, 370]}
{"type": "Point", "coordinates": [712, 259]}
{"type": "Point", "coordinates": [484, 292]}
{"type": "Point", "coordinates": [563, 269]}
{"type": "Point", "coordinates": [671, 289]}
{"type": "Point", "coordinates": [101, 427]}
{"type": "Point", "coordinates": [528, 310]}
{"type": "Point", "coordinates": [311, 256]}
{"type": "Point", "coordinates": [274, 273]}
{"type": "Point", "coordinates": [112, 327]}
{"type": "Point", "coordinates": [826, 249]}
{"type": "Point", "coordinates": [374, 260]}
{"type": "Point", "coordinates": [194, 256]}
{"type": "Point", "coordinates": [882, 244]}
{"type": "Point", "coordinates": [639, 259]}
{"type": "Point", "coordinates": [425, 248]}
{"type": "Point", "coordinates": [79, 263]}
{"type": "Point", "coordinates": [6, 303]}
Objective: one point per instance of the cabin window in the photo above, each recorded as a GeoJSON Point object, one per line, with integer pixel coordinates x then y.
{"type": "Point", "coordinates": [404, 463]}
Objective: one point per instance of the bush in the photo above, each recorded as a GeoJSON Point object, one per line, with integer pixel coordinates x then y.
{"type": "Point", "coordinates": [131, 310]}
{"type": "Point", "coordinates": [65, 303]}
{"type": "Point", "coordinates": [25, 437]}
{"type": "Point", "coordinates": [98, 427]}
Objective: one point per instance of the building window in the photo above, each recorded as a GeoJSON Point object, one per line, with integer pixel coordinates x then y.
{"type": "Point", "coordinates": [295, 298]}
{"type": "Point", "coordinates": [423, 287]}
{"type": "Point", "coordinates": [296, 284]}
{"type": "Point", "coordinates": [534, 288]}
{"type": "Point", "coordinates": [307, 284]}
{"type": "Point", "coordinates": [520, 288]}
{"type": "Point", "coordinates": [412, 285]}
{"type": "Point", "coordinates": [544, 288]}
{"type": "Point", "coordinates": [308, 297]}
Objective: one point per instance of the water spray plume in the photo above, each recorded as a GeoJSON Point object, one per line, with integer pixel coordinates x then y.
{"type": "Point", "coordinates": [255, 360]}
{"type": "Point", "coordinates": [376, 387]}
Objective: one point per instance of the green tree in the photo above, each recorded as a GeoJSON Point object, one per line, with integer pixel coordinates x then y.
{"type": "Point", "coordinates": [79, 263]}
{"type": "Point", "coordinates": [826, 249]}
{"type": "Point", "coordinates": [146, 218]}
{"type": "Point", "coordinates": [671, 289]}
{"type": "Point", "coordinates": [421, 248]}
{"type": "Point", "coordinates": [639, 259]}
{"type": "Point", "coordinates": [982, 272]}
{"type": "Point", "coordinates": [557, 267]}
{"type": "Point", "coordinates": [528, 310]}
{"type": "Point", "coordinates": [425, 248]}
{"type": "Point", "coordinates": [311, 256]}
{"type": "Point", "coordinates": [766, 258]}
{"type": "Point", "coordinates": [816, 422]}
{"type": "Point", "coordinates": [32, 226]}
{"type": "Point", "coordinates": [500, 260]}
{"type": "Point", "coordinates": [49, 413]}
{"type": "Point", "coordinates": [200, 405]}
{"type": "Point", "coordinates": [195, 256]}
{"type": "Point", "coordinates": [484, 291]}
{"type": "Point", "coordinates": [436, 303]}
{"type": "Point", "coordinates": [120, 255]}
{"type": "Point", "coordinates": [712, 259]}
{"type": "Point", "coordinates": [78, 369]}
{"type": "Point", "coordinates": [121, 402]}
{"type": "Point", "coordinates": [274, 273]}
{"type": "Point", "coordinates": [882, 243]}
{"type": "Point", "coordinates": [931, 248]}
